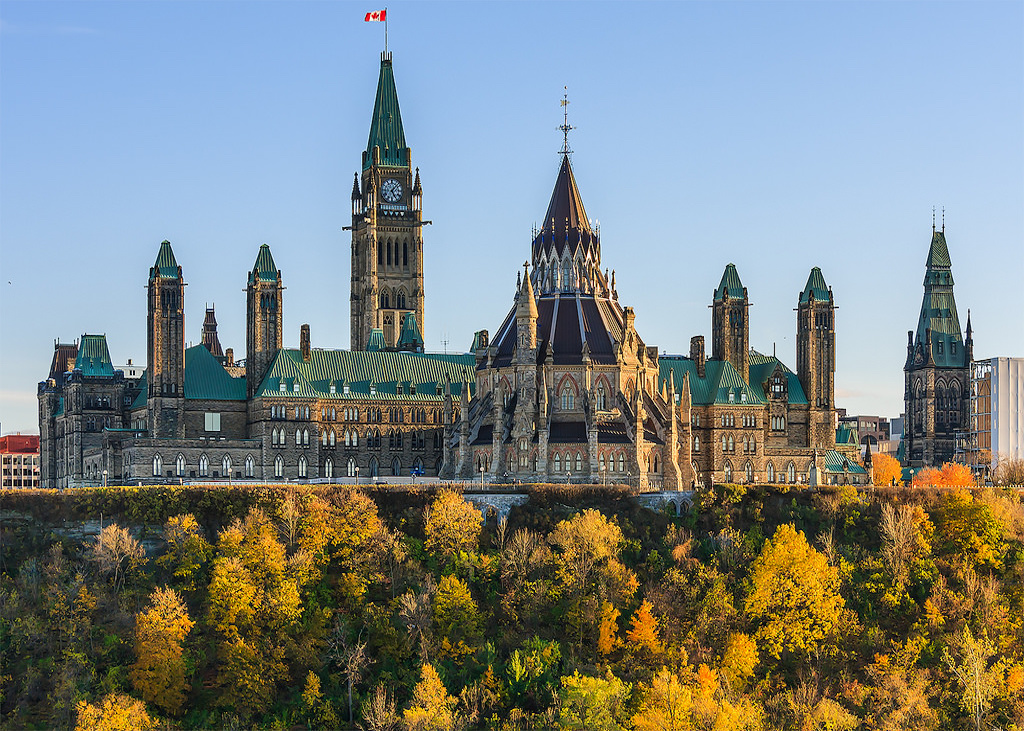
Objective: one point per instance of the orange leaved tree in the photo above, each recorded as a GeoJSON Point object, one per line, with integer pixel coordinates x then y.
{"type": "Point", "coordinates": [951, 474]}
{"type": "Point", "coordinates": [887, 470]}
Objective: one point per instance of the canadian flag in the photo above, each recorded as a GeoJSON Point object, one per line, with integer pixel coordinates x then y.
{"type": "Point", "coordinates": [376, 15]}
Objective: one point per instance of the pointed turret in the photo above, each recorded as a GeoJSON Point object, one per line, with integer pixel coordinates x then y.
{"type": "Point", "coordinates": [209, 340]}
{"type": "Point", "coordinates": [730, 333]}
{"type": "Point", "coordinates": [264, 318]}
{"type": "Point", "coordinates": [166, 266]}
{"type": "Point", "coordinates": [815, 288]}
{"type": "Point", "coordinates": [410, 338]}
{"type": "Point", "coordinates": [386, 133]}
{"type": "Point", "coordinates": [356, 195]}
{"type": "Point", "coordinates": [938, 309]}
{"type": "Point", "coordinates": [566, 232]}
{"type": "Point", "coordinates": [815, 350]}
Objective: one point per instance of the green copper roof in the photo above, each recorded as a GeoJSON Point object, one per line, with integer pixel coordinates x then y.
{"type": "Point", "coordinates": [381, 374]}
{"type": "Point", "coordinates": [206, 379]}
{"type": "Point", "coordinates": [846, 435]}
{"type": "Point", "coordinates": [93, 357]}
{"type": "Point", "coordinates": [376, 341]}
{"type": "Point", "coordinates": [720, 380]}
{"type": "Point", "coordinates": [761, 369]}
{"type": "Point", "coordinates": [166, 266]}
{"type": "Point", "coordinates": [815, 286]}
{"type": "Point", "coordinates": [730, 284]}
{"type": "Point", "coordinates": [386, 126]}
{"type": "Point", "coordinates": [264, 269]}
{"type": "Point", "coordinates": [938, 310]}
{"type": "Point", "coordinates": [140, 399]}
{"type": "Point", "coordinates": [833, 461]}
{"type": "Point", "coordinates": [938, 252]}
{"type": "Point", "coordinates": [410, 338]}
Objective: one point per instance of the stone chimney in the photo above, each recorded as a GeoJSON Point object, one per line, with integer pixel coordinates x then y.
{"type": "Point", "coordinates": [697, 353]}
{"type": "Point", "coordinates": [304, 342]}
{"type": "Point", "coordinates": [229, 357]}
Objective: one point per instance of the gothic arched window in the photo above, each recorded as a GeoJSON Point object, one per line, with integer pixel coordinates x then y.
{"type": "Point", "coordinates": [748, 469]}
{"type": "Point", "coordinates": [696, 443]}
{"type": "Point", "coordinates": [622, 462]}
{"type": "Point", "coordinates": [179, 465]}
{"type": "Point", "coordinates": [226, 464]}
{"type": "Point", "coordinates": [204, 466]}
{"type": "Point", "coordinates": [602, 397]}
{"type": "Point", "coordinates": [278, 466]}
{"type": "Point", "coordinates": [791, 472]}
{"type": "Point", "coordinates": [579, 461]}
{"type": "Point", "coordinates": [329, 468]}
{"type": "Point", "coordinates": [771, 472]}
{"type": "Point", "coordinates": [250, 466]}
{"type": "Point", "coordinates": [405, 254]}
{"type": "Point", "coordinates": [302, 466]}
{"type": "Point", "coordinates": [558, 463]}
{"type": "Point", "coordinates": [396, 467]}
{"type": "Point", "coordinates": [158, 466]}
{"type": "Point", "coordinates": [351, 467]}
{"type": "Point", "coordinates": [568, 398]}
{"type": "Point", "coordinates": [728, 471]}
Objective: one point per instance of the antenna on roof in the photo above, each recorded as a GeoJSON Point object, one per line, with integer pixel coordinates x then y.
{"type": "Point", "coordinates": [566, 127]}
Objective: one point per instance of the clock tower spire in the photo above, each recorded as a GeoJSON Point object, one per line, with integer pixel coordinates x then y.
{"type": "Point", "coordinates": [387, 226]}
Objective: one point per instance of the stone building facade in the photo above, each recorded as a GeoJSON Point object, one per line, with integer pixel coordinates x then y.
{"type": "Point", "coordinates": [937, 373]}
{"type": "Point", "coordinates": [566, 389]}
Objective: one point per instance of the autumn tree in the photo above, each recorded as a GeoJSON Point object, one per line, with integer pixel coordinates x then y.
{"type": "Point", "coordinates": [692, 701]}
{"type": "Point", "coordinates": [253, 605]}
{"type": "Point", "coordinates": [794, 595]}
{"type": "Point", "coordinates": [951, 474]}
{"type": "Point", "coordinates": [608, 629]}
{"type": "Point", "coordinates": [379, 711]}
{"type": "Point", "coordinates": [432, 708]}
{"type": "Point", "coordinates": [349, 656]}
{"type": "Point", "coordinates": [967, 527]}
{"type": "Point", "coordinates": [452, 525]}
{"type": "Point", "coordinates": [886, 469]}
{"type": "Point", "coordinates": [456, 618]}
{"type": "Point", "coordinates": [972, 660]}
{"type": "Point", "coordinates": [593, 704]}
{"type": "Point", "coordinates": [159, 670]}
{"type": "Point", "coordinates": [643, 630]}
{"type": "Point", "coordinates": [115, 712]}
{"type": "Point", "coordinates": [116, 553]}
{"type": "Point", "coordinates": [1008, 471]}
{"type": "Point", "coordinates": [187, 552]}
{"type": "Point", "coordinates": [906, 532]}
{"type": "Point", "coordinates": [739, 660]}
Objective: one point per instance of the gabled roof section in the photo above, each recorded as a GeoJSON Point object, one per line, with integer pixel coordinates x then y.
{"type": "Point", "coordinates": [206, 379]}
{"type": "Point", "coordinates": [93, 358]}
{"type": "Point", "coordinates": [846, 435]}
{"type": "Point", "coordinates": [720, 380]}
{"type": "Point", "coordinates": [815, 287]}
{"type": "Point", "coordinates": [730, 284]}
{"type": "Point", "coordinates": [166, 265]}
{"type": "Point", "coordinates": [264, 269]}
{"type": "Point", "coordinates": [832, 461]}
{"type": "Point", "coordinates": [410, 338]}
{"type": "Point", "coordinates": [761, 369]}
{"type": "Point", "coordinates": [386, 125]}
{"type": "Point", "coordinates": [367, 374]}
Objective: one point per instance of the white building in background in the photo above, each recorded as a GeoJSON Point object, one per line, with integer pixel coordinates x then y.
{"type": "Point", "coordinates": [1007, 408]}
{"type": "Point", "coordinates": [997, 414]}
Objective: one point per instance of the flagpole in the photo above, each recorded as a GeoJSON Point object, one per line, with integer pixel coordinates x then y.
{"type": "Point", "coordinates": [385, 31]}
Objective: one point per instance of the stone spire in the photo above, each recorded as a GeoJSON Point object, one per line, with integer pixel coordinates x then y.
{"type": "Point", "coordinates": [386, 132]}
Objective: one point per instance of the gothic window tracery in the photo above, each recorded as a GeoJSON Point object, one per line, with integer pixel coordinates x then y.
{"type": "Point", "coordinates": [250, 466]}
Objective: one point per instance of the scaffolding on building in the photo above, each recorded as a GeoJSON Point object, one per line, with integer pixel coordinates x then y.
{"type": "Point", "coordinates": [974, 447]}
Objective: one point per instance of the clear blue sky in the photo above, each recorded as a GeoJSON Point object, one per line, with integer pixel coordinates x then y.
{"type": "Point", "coordinates": [778, 136]}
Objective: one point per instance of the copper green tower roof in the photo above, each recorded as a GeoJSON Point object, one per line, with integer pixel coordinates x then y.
{"type": "Point", "coordinates": [166, 266]}
{"type": "Point", "coordinates": [730, 284]}
{"type": "Point", "coordinates": [938, 320]}
{"type": "Point", "coordinates": [386, 126]}
{"type": "Point", "coordinates": [815, 286]}
{"type": "Point", "coordinates": [264, 269]}
{"type": "Point", "coordinates": [93, 356]}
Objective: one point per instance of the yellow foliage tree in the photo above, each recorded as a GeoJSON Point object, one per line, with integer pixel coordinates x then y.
{"type": "Point", "coordinates": [115, 712]}
{"type": "Point", "coordinates": [951, 474]}
{"type": "Point", "coordinates": [187, 549]}
{"type": "Point", "coordinates": [886, 469]}
{"type": "Point", "coordinates": [432, 708]}
{"type": "Point", "coordinates": [456, 617]}
{"type": "Point", "coordinates": [694, 701]}
{"type": "Point", "coordinates": [794, 595]}
{"type": "Point", "coordinates": [608, 629]}
{"type": "Point", "coordinates": [452, 525]}
{"type": "Point", "coordinates": [643, 630]}
{"type": "Point", "coordinates": [159, 670]}
{"type": "Point", "coordinates": [739, 660]}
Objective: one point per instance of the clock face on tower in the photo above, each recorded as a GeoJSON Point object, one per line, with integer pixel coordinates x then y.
{"type": "Point", "coordinates": [391, 190]}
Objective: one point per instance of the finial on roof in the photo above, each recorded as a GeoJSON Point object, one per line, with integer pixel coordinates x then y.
{"type": "Point", "coordinates": [933, 219]}
{"type": "Point", "coordinates": [943, 219]}
{"type": "Point", "coordinates": [566, 127]}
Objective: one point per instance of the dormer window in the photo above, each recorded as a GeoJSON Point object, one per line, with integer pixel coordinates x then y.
{"type": "Point", "coordinates": [412, 389]}
{"type": "Point", "coordinates": [399, 389]}
{"type": "Point", "coordinates": [283, 386]}
{"type": "Point", "coordinates": [743, 397]}
{"type": "Point", "coordinates": [373, 389]}
{"type": "Point", "coordinates": [334, 388]}
{"type": "Point", "coordinates": [295, 387]}
{"type": "Point", "coordinates": [732, 397]}
{"type": "Point", "coordinates": [346, 389]}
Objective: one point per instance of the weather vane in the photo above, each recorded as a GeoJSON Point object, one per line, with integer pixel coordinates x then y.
{"type": "Point", "coordinates": [566, 127]}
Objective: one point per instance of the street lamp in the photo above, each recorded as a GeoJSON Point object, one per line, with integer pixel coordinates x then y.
{"type": "Point", "coordinates": [481, 476]}
{"type": "Point", "coordinates": [601, 469]}
{"type": "Point", "coordinates": [357, 475]}
{"type": "Point", "coordinates": [568, 477]}
{"type": "Point", "coordinates": [104, 478]}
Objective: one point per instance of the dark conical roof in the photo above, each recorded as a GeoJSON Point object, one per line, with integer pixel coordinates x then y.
{"type": "Point", "coordinates": [815, 286]}
{"type": "Point", "coordinates": [209, 338]}
{"type": "Point", "coordinates": [938, 321]}
{"type": "Point", "coordinates": [166, 266]}
{"type": "Point", "coordinates": [386, 125]}
{"type": "Point", "coordinates": [938, 252]}
{"type": "Point", "coordinates": [565, 222]}
{"type": "Point", "coordinates": [730, 284]}
{"type": "Point", "coordinates": [410, 338]}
